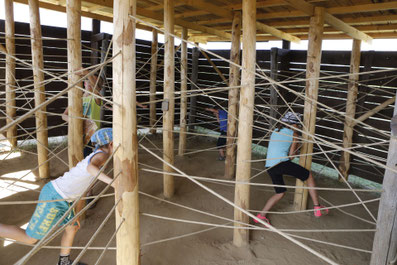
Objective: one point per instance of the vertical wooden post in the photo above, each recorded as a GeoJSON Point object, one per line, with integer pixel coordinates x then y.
{"type": "Point", "coordinates": [125, 132]}
{"type": "Point", "coordinates": [244, 143]}
{"type": "Point", "coordinates": [75, 103]}
{"type": "Point", "coordinates": [183, 115]}
{"type": "Point", "coordinates": [384, 249]}
{"type": "Point", "coordinates": [169, 101]}
{"type": "Point", "coordinates": [234, 81]}
{"type": "Point", "coordinates": [286, 45]}
{"type": "Point", "coordinates": [39, 89]}
{"type": "Point", "coordinates": [104, 50]}
{"type": "Point", "coordinates": [193, 79]}
{"type": "Point", "coordinates": [153, 79]}
{"type": "Point", "coordinates": [273, 91]}
{"type": "Point", "coordinates": [310, 109]}
{"type": "Point", "coordinates": [352, 91]}
{"type": "Point", "coordinates": [96, 28]}
{"type": "Point", "coordinates": [10, 71]}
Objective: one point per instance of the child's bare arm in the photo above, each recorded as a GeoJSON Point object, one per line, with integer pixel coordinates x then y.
{"type": "Point", "coordinates": [65, 115]}
{"type": "Point", "coordinates": [294, 147]}
{"type": "Point", "coordinates": [94, 167]}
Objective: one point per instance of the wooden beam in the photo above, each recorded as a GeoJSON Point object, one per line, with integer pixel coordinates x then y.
{"type": "Point", "coordinates": [277, 33]}
{"type": "Point", "coordinates": [244, 142]}
{"type": "Point", "coordinates": [385, 240]}
{"type": "Point", "coordinates": [234, 82]}
{"type": "Point", "coordinates": [375, 7]}
{"type": "Point", "coordinates": [215, 67]}
{"type": "Point", "coordinates": [273, 88]}
{"type": "Point", "coordinates": [153, 81]}
{"type": "Point", "coordinates": [310, 109]}
{"type": "Point", "coordinates": [349, 30]}
{"type": "Point", "coordinates": [11, 109]}
{"type": "Point", "coordinates": [75, 103]}
{"type": "Point", "coordinates": [169, 101]}
{"type": "Point", "coordinates": [183, 107]}
{"type": "Point", "coordinates": [125, 133]}
{"type": "Point", "coordinates": [352, 90]}
{"type": "Point", "coordinates": [39, 89]}
{"type": "Point", "coordinates": [331, 20]}
{"type": "Point", "coordinates": [375, 110]}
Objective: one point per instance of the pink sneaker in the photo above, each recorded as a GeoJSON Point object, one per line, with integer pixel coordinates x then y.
{"type": "Point", "coordinates": [319, 211]}
{"type": "Point", "coordinates": [262, 218]}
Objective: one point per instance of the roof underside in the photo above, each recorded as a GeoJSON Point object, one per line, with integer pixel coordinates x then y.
{"type": "Point", "coordinates": [211, 20]}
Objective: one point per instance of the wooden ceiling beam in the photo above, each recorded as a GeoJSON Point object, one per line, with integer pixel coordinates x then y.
{"type": "Point", "coordinates": [228, 14]}
{"type": "Point", "coordinates": [331, 20]}
{"type": "Point", "coordinates": [362, 8]}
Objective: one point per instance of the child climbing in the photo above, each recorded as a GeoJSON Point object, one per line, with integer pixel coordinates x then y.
{"type": "Point", "coordinates": [283, 145]}
{"type": "Point", "coordinates": [68, 187]}
{"type": "Point", "coordinates": [221, 117]}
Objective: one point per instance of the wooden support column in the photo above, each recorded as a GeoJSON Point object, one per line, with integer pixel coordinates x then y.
{"type": "Point", "coordinates": [310, 109]}
{"type": "Point", "coordinates": [244, 142]}
{"type": "Point", "coordinates": [273, 92]}
{"type": "Point", "coordinates": [169, 101]}
{"type": "Point", "coordinates": [153, 79]}
{"type": "Point", "coordinates": [234, 81]}
{"type": "Point", "coordinates": [193, 79]}
{"type": "Point", "coordinates": [351, 101]}
{"type": "Point", "coordinates": [10, 71]}
{"type": "Point", "coordinates": [384, 250]}
{"type": "Point", "coordinates": [286, 45]}
{"type": "Point", "coordinates": [39, 89]}
{"type": "Point", "coordinates": [183, 115]}
{"type": "Point", "coordinates": [125, 132]}
{"type": "Point", "coordinates": [75, 103]}
{"type": "Point", "coordinates": [96, 28]}
{"type": "Point", "coordinates": [104, 49]}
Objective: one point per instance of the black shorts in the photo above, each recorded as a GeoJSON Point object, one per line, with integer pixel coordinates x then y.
{"type": "Point", "coordinates": [287, 168]}
{"type": "Point", "coordinates": [221, 140]}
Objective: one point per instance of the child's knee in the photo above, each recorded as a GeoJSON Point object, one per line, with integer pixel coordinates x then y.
{"type": "Point", "coordinates": [31, 240]}
{"type": "Point", "coordinates": [280, 195]}
{"type": "Point", "coordinates": [71, 229]}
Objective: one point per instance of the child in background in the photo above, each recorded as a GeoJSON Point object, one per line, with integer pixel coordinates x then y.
{"type": "Point", "coordinates": [69, 187]}
{"type": "Point", "coordinates": [283, 145]}
{"type": "Point", "coordinates": [221, 117]}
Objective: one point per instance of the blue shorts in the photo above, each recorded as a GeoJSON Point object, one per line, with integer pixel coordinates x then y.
{"type": "Point", "coordinates": [48, 213]}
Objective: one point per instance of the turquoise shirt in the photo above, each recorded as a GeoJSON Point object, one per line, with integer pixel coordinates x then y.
{"type": "Point", "coordinates": [279, 145]}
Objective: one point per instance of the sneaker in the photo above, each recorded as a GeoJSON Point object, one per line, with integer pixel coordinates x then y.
{"type": "Point", "coordinates": [70, 262]}
{"type": "Point", "coordinates": [320, 211]}
{"type": "Point", "coordinates": [262, 218]}
{"type": "Point", "coordinates": [221, 158]}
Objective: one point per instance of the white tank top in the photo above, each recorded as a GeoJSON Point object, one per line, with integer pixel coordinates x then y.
{"type": "Point", "coordinates": [74, 182]}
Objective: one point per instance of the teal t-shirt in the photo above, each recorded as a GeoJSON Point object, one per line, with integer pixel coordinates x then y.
{"type": "Point", "coordinates": [279, 144]}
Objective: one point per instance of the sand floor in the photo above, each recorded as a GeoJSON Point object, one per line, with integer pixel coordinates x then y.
{"type": "Point", "coordinates": [210, 247]}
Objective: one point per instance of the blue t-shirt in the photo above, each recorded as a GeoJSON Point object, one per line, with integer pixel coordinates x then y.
{"type": "Point", "coordinates": [279, 144]}
{"type": "Point", "coordinates": [222, 120]}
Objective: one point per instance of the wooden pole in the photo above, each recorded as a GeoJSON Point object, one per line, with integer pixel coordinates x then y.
{"type": "Point", "coordinates": [183, 115]}
{"type": "Point", "coordinates": [193, 79]}
{"type": "Point", "coordinates": [169, 101]}
{"type": "Point", "coordinates": [75, 103]}
{"type": "Point", "coordinates": [125, 133]}
{"type": "Point", "coordinates": [244, 143]}
{"type": "Point", "coordinates": [234, 81]}
{"type": "Point", "coordinates": [104, 49]}
{"type": "Point", "coordinates": [10, 71]}
{"type": "Point", "coordinates": [384, 250]}
{"type": "Point", "coordinates": [153, 79]}
{"type": "Point", "coordinates": [215, 67]}
{"type": "Point", "coordinates": [39, 89]}
{"type": "Point", "coordinates": [96, 28]}
{"type": "Point", "coordinates": [273, 91]}
{"type": "Point", "coordinates": [352, 91]}
{"type": "Point", "coordinates": [312, 74]}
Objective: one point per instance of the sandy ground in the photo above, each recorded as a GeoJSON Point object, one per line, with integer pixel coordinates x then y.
{"type": "Point", "coordinates": [211, 247]}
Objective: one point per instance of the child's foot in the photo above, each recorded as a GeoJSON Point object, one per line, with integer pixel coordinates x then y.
{"type": "Point", "coordinates": [262, 218]}
{"type": "Point", "coordinates": [319, 211]}
{"type": "Point", "coordinates": [64, 260]}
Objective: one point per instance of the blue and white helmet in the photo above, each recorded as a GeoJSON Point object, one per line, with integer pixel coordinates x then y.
{"type": "Point", "coordinates": [292, 118]}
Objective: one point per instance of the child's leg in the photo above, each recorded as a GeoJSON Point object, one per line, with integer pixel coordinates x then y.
{"type": "Point", "coordinates": [271, 202]}
{"type": "Point", "coordinates": [67, 239]}
{"type": "Point", "coordinates": [313, 193]}
{"type": "Point", "coordinates": [16, 233]}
